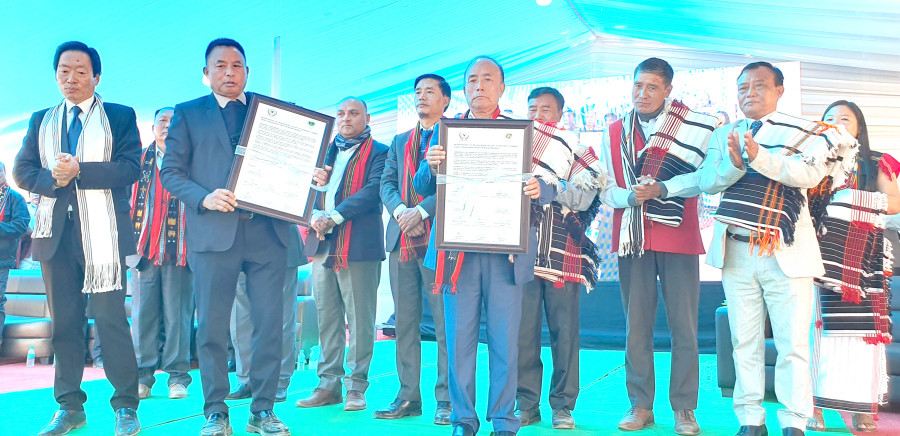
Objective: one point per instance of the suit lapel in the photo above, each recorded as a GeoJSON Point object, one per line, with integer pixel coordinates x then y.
{"type": "Point", "coordinates": [216, 123]}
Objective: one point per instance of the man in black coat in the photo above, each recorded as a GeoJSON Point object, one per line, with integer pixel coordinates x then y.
{"type": "Point", "coordinates": [81, 156]}
{"type": "Point", "coordinates": [14, 220]}
{"type": "Point", "coordinates": [223, 240]}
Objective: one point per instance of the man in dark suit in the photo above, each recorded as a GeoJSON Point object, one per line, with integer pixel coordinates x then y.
{"type": "Point", "coordinates": [406, 239]}
{"type": "Point", "coordinates": [242, 328]}
{"type": "Point", "coordinates": [224, 240]}
{"type": "Point", "coordinates": [345, 244]}
{"type": "Point", "coordinates": [81, 156]}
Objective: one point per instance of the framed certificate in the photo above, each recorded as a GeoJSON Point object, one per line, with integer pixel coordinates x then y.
{"type": "Point", "coordinates": [273, 165]}
{"type": "Point", "coordinates": [480, 203]}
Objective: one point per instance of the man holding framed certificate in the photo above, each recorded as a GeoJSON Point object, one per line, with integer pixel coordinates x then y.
{"type": "Point", "coordinates": [469, 279]}
{"type": "Point", "coordinates": [224, 240]}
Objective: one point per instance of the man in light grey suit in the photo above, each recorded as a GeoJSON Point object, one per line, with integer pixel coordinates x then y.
{"type": "Point", "coordinates": [406, 239]}
{"type": "Point", "coordinates": [781, 282]}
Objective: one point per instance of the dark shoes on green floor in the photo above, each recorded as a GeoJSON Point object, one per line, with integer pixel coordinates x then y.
{"type": "Point", "coordinates": [528, 417]}
{"type": "Point", "coordinates": [266, 424]}
{"type": "Point", "coordinates": [127, 423]}
{"type": "Point", "coordinates": [217, 425]}
{"type": "Point", "coordinates": [753, 430]}
{"type": "Point", "coordinates": [63, 422]}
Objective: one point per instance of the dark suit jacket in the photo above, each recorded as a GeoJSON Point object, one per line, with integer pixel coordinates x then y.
{"type": "Point", "coordinates": [523, 268]}
{"type": "Point", "coordinates": [295, 256]}
{"type": "Point", "coordinates": [362, 208]}
{"type": "Point", "coordinates": [392, 183]}
{"type": "Point", "coordinates": [116, 175]}
{"type": "Point", "coordinates": [13, 225]}
{"type": "Point", "coordinates": [198, 161]}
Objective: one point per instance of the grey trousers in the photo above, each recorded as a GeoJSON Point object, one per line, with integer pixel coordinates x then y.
{"type": "Point", "coordinates": [348, 294]}
{"type": "Point", "coordinates": [409, 281]}
{"type": "Point", "coordinates": [679, 275]}
{"type": "Point", "coordinates": [242, 330]}
{"type": "Point", "coordinates": [561, 308]}
{"type": "Point", "coordinates": [162, 300]}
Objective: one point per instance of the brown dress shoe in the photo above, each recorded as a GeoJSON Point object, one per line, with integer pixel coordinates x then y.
{"type": "Point", "coordinates": [686, 423]}
{"type": "Point", "coordinates": [636, 419]}
{"type": "Point", "coordinates": [319, 398]}
{"type": "Point", "coordinates": [356, 400]}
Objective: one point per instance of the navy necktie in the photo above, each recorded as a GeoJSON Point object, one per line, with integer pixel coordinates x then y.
{"type": "Point", "coordinates": [423, 143]}
{"type": "Point", "coordinates": [755, 126]}
{"type": "Point", "coordinates": [74, 130]}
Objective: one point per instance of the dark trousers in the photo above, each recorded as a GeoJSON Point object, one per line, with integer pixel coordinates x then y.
{"type": "Point", "coordinates": [259, 253]}
{"type": "Point", "coordinates": [163, 299]}
{"type": "Point", "coordinates": [4, 278]}
{"type": "Point", "coordinates": [409, 281]}
{"type": "Point", "coordinates": [64, 279]}
{"type": "Point", "coordinates": [679, 277]}
{"type": "Point", "coordinates": [561, 308]}
{"type": "Point", "coordinates": [486, 283]}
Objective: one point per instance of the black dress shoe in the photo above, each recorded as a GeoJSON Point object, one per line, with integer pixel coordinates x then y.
{"type": "Point", "coordinates": [399, 409]}
{"type": "Point", "coordinates": [63, 422]}
{"type": "Point", "coordinates": [753, 430]}
{"type": "Point", "coordinates": [528, 417]}
{"type": "Point", "coordinates": [792, 431]}
{"type": "Point", "coordinates": [280, 395]}
{"type": "Point", "coordinates": [267, 424]}
{"type": "Point", "coordinates": [442, 413]}
{"type": "Point", "coordinates": [127, 423]}
{"type": "Point", "coordinates": [217, 425]}
{"type": "Point", "coordinates": [241, 391]}
{"type": "Point", "coordinates": [463, 430]}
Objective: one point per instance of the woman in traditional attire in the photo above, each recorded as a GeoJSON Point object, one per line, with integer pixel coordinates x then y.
{"type": "Point", "coordinates": [849, 364]}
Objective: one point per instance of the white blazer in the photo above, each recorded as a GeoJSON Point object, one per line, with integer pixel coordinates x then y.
{"type": "Point", "coordinates": [717, 173]}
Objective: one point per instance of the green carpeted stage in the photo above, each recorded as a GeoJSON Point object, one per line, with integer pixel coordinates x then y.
{"type": "Point", "coordinates": [601, 404]}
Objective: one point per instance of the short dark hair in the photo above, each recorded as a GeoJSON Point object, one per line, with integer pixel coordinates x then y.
{"type": "Point", "coordinates": [156, 114]}
{"type": "Point", "coordinates": [224, 42]}
{"type": "Point", "coordinates": [779, 76]}
{"type": "Point", "coordinates": [442, 83]}
{"type": "Point", "coordinates": [656, 66]}
{"type": "Point", "coordinates": [546, 90]}
{"type": "Point", "coordinates": [361, 101]}
{"type": "Point", "coordinates": [487, 58]}
{"type": "Point", "coordinates": [78, 46]}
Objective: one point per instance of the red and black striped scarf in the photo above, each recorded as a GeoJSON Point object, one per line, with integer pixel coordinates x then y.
{"type": "Point", "coordinates": [413, 247]}
{"type": "Point", "coordinates": [157, 216]}
{"type": "Point", "coordinates": [354, 178]}
{"type": "Point", "coordinates": [4, 197]}
{"type": "Point", "coordinates": [449, 263]}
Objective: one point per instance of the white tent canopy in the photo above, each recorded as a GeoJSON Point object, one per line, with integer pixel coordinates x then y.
{"type": "Point", "coordinates": [153, 51]}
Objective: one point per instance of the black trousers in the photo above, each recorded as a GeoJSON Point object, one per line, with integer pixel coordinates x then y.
{"type": "Point", "coordinates": [64, 280]}
{"type": "Point", "coordinates": [560, 306]}
{"type": "Point", "coordinates": [259, 253]}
